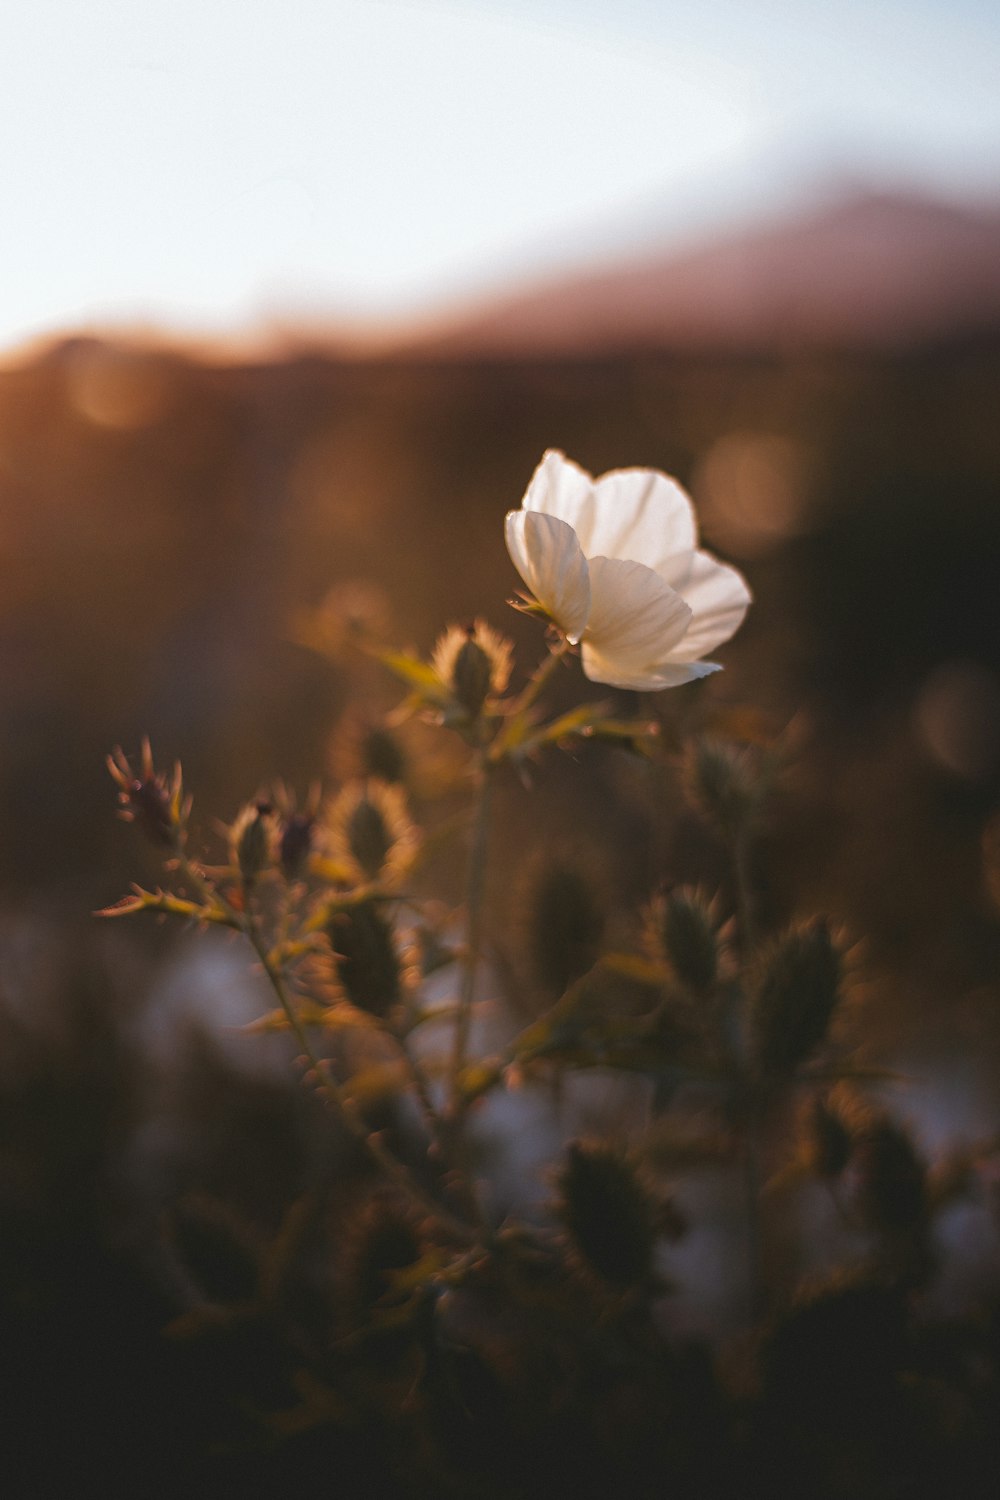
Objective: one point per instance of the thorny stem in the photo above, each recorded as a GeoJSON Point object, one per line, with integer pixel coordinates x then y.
{"type": "Point", "coordinates": [344, 1105]}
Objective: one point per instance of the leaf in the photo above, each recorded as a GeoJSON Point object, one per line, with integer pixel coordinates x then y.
{"type": "Point", "coordinates": [171, 905]}
{"type": "Point", "coordinates": [417, 674]}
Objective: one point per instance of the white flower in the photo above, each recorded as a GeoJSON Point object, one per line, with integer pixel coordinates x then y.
{"type": "Point", "coordinates": [615, 563]}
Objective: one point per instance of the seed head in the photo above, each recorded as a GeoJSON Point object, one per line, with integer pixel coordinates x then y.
{"type": "Point", "coordinates": [683, 926]}
{"type": "Point", "coordinates": [253, 839]}
{"type": "Point", "coordinates": [724, 784]}
{"type": "Point", "coordinates": [365, 958]}
{"type": "Point", "coordinates": [368, 829]}
{"type": "Point", "coordinates": [474, 664]}
{"type": "Point", "coordinates": [150, 798]}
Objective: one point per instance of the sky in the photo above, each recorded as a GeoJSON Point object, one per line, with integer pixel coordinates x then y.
{"type": "Point", "coordinates": [205, 164]}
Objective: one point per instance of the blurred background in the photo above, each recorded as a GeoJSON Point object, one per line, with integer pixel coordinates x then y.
{"type": "Point", "coordinates": [293, 299]}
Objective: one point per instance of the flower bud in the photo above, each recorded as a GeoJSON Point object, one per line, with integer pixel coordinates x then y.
{"type": "Point", "coordinates": [368, 830]}
{"type": "Point", "coordinates": [252, 839]}
{"type": "Point", "coordinates": [474, 664]}
{"type": "Point", "coordinates": [365, 958]}
{"type": "Point", "coordinates": [724, 785]}
{"type": "Point", "coordinates": [611, 1217]}
{"type": "Point", "coordinates": [794, 1002]}
{"type": "Point", "coordinates": [150, 799]}
{"type": "Point", "coordinates": [684, 926]}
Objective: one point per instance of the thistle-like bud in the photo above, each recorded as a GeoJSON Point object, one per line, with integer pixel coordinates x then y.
{"type": "Point", "coordinates": [563, 926]}
{"type": "Point", "coordinates": [365, 957]}
{"type": "Point", "coordinates": [611, 1217]}
{"type": "Point", "coordinates": [149, 798]}
{"type": "Point", "coordinates": [796, 996]}
{"type": "Point", "coordinates": [724, 784]}
{"type": "Point", "coordinates": [369, 831]}
{"type": "Point", "coordinates": [474, 664]}
{"type": "Point", "coordinates": [892, 1177]}
{"type": "Point", "coordinates": [253, 839]}
{"type": "Point", "coordinates": [683, 926]}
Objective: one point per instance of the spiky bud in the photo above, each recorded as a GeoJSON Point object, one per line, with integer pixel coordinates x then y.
{"type": "Point", "coordinates": [365, 957]}
{"type": "Point", "coordinates": [474, 664]}
{"type": "Point", "coordinates": [149, 798]}
{"type": "Point", "coordinates": [252, 839]}
{"type": "Point", "coordinates": [369, 831]}
{"type": "Point", "coordinates": [684, 927]}
{"type": "Point", "coordinates": [563, 925]}
{"type": "Point", "coordinates": [796, 996]}
{"type": "Point", "coordinates": [611, 1217]}
{"type": "Point", "coordinates": [724, 784]}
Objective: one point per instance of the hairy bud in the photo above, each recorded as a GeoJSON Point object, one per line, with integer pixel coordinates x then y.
{"type": "Point", "coordinates": [252, 839]}
{"type": "Point", "coordinates": [365, 956]}
{"type": "Point", "coordinates": [368, 829]}
{"type": "Point", "coordinates": [724, 785]}
{"type": "Point", "coordinates": [684, 927]}
{"type": "Point", "coordinates": [794, 1002]}
{"type": "Point", "coordinates": [474, 664]}
{"type": "Point", "coordinates": [611, 1217]}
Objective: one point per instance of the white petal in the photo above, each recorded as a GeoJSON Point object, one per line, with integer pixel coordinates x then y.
{"type": "Point", "coordinates": [639, 514]}
{"type": "Point", "coordinates": [547, 555]}
{"type": "Point", "coordinates": [636, 514]}
{"type": "Point", "coordinates": [560, 488]}
{"type": "Point", "coordinates": [635, 621]}
{"type": "Point", "coordinates": [671, 674]}
{"type": "Point", "coordinates": [719, 598]}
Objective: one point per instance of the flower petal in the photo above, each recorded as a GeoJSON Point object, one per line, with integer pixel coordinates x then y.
{"type": "Point", "coordinates": [719, 598]}
{"type": "Point", "coordinates": [560, 488]}
{"type": "Point", "coordinates": [671, 674]}
{"type": "Point", "coordinates": [637, 514]}
{"type": "Point", "coordinates": [635, 621]}
{"type": "Point", "coordinates": [640, 514]}
{"type": "Point", "coordinates": [546, 553]}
